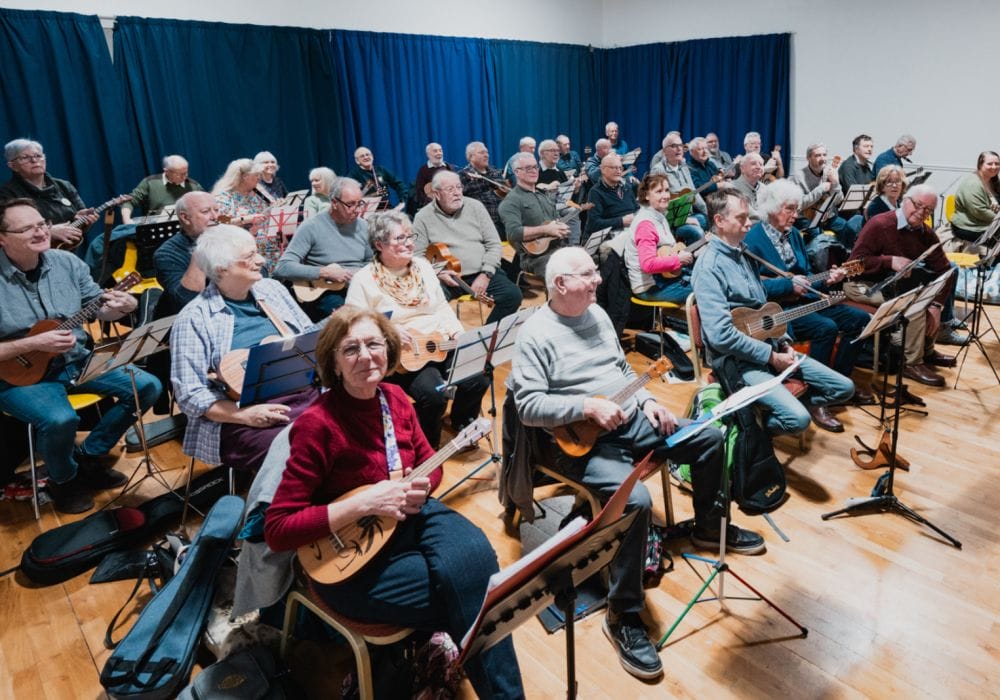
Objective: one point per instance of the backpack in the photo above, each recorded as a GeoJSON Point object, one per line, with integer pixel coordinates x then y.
{"type": "Point", "coordinates": [250, 674]}
{"type": "Point", "coordinates": [155, 658]}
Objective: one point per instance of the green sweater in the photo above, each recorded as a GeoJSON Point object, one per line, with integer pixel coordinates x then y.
{"type": "Point", "coordinates": [972, 205]}
{"type": "Point", "coordinates": [154, 193]}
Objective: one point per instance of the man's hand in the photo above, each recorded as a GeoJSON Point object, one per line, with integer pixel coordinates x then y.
{"type": "Point", "coordinates": [899, 262]}
{"type": "Point", "coordinates": [782, 360]}
{"type": "Point", "coordinates": [607, 414]}
{"type": "Point", "coordinates": [448, 277]}
{"type": "Point", "coordinates": [799, 284]}
{"type": "Point", "coordinates": [627, 219]}
{"type": "Point", "coordinates": [52, 341]}
{"type": "Point", "coordinates": [116, 302]}
{"type": "Point", "coordinates": [64, 234]}
{"type": "Point", "coordinates": [264, 415]}
{"type": "Point", "coordinates": [837, 274]}
{"type": "Point", "coordinates": [88, 215]}
{"type": "Point", "coordinates": [685, 257]}
{"type": "Point", "coordinates": [662, 420]}
{"type": "Point", "coordinates": [558, 229]}
{"type": "Point", "coordinates": [480, 284]}
{"type": "Point", "coordinates": [335, 273]}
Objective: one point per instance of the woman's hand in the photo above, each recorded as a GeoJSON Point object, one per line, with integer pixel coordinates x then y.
{"type": "Point", "coordinates": [264, 415]}
{"type": "Point", "coordinates": [395, 499]}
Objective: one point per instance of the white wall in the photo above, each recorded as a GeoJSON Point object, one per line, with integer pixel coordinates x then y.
{"type": "Point", "coordinates": [561, 21]}
{"type": "Point", "coordinates": [882, 67]}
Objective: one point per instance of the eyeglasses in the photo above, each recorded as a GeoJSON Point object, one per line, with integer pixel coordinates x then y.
{"type": "Point", "coordinates": [614, 168]}
{"type": "Point", "coordinates": [400, 240]}
{"type": "Point", "coordinates": [588, 275]}
{"type": "Point", "coordinates": [675, 145]}
{"type": "Point", "coordinates": [35, 158]}
{"type": "Point", "coordinates": [40, 226]}
{"type": "Point", "coordinates": [451, 189]}
{"type": "Point", "coordinates": [790, 208]}
{"type": "Point", "coordinates": [352, 350]}
{"type": "Point", "coordinates": [526, 169]}
{"type": "Point", "coordinates": [349, 205]}
{"type": "Point", "coordinates": [248, 260]}
{"type": "Point", "coordinates": [922, 207]}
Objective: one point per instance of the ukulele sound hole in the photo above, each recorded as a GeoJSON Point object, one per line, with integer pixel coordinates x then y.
{"type": "Point", "coordinates": [768, 323]}
{"type": "Point", "coordinates": [431, 346]}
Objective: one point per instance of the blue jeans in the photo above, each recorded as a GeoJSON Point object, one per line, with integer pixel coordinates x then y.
{"type": "Point", "coordinates": [786, 414]}
{"type": "Point", "coordinates": [821, 330]}
{"type": "Point", "coordinates": [675, 290]}
{"type": "Point", "coordinates": [507, 297]}
{"type": "Point", "coordinates": [432, 575]}
{"type": "Point", "coordinates": [46, 407]}
{"type": "Point", "coordinates": [846, 230]}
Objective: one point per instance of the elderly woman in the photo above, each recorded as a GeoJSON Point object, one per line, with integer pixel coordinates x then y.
{"type": "Point", "coordinates": [272, 185]}
{"type": "Point", "coordinates": [241, 203]}
{"type": "Point", "coordinates": [776, 240]}
{"type": "Point", "coordinates": [890, 184]}
{"type": "Point", "coordinates": [406, 288]}
{"type": "Point", "coordinates": [237, 309]}
{"type": "Point", "coordinates": [653, 277]}
{"type": "Point", "coordinates": [977, 199]}
{"type": "Point", "coordinates": [434, 571]}
{"type": "Point", "coordinates": [321, 180]}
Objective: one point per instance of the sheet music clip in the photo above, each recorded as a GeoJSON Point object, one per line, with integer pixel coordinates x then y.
{"type": "Point", "coordinates": [279, 368]}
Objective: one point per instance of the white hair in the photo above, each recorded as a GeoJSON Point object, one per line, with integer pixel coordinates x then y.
{"type": "Point", "coordinates": [663, 143]}
{"type": "Point", "coordinates": [813, 147]}
{"type": "Point", "coordinates": [428, 147]}
{"type": "Point", "coordinates": [920, 191]}
{"type": "Point", "coordinates": [14, 148]}
{"type": "Point", "coordinates": [547, 143]}
{"type": "Point", "coordinates": [473, 147]}
{"type": "Point", "coordinates": [438, 181]}
{"type": "Point", "coordinates": [772, 197]}
{"type": "Point", "coordinates": [906, 140]}
{"type": "Point", "coordinates": [561, 263]}
{"type": "Point", "coordinates": [751, 135]}
{"type": "Point", "coordinates": [325, 174]}
{"type": "Point", "coordinates": [219, 247]}
{"type": "Point", "coordinates": [525, 140]}
{"type": "Point", "coordinates": [520, 158]}
{"type": "Point", "coordinates": [263, 156]}
{"type": "Point", "coordinates": [173, 162]}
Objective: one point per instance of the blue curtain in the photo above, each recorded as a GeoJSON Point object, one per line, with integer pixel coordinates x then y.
{"type": "Point", "coordinates": [59, 88]}
{"type": "Point", "coordinates": [215, 92]}
{"type": "Point", "coordinates": [729, 86]}
{"type": "Point", "coordinates": [406, 91]}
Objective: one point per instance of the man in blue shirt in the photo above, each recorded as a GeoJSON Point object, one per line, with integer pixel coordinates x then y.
{"type": "Point", "coordinates": [896, 155]}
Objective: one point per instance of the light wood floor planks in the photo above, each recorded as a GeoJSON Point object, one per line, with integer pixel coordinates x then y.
{"type": "Point", "coordinates": [892, 610]}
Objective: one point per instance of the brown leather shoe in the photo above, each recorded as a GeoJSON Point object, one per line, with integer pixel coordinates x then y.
{"type": "Point", "coordinates": [822, 417]}
{"type": "Point", "coordinates": [862, 397]}
{"type": "Point", "coordinates": [938, 359]}
{"type": "Point", "coordinates": [923, 374]}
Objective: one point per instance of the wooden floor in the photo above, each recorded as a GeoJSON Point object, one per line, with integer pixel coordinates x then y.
{"type": "Point", "coordinates": [892, 610]}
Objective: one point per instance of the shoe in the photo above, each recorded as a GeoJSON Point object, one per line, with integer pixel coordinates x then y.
{"type": "Point", "coordinates": [738, 540]}
{"type": "Point", "coordinates": [923, 374]}
{"type": "Point", "coordinates": [97, 472]}
{"type": "Point", "coordinates": [71, 497]}
{"type": "Point", "coordinates": [822, 417]}
{"type": "Point", "coordinates": [937, 359]}
{"type": "Point", "coordinates": [862, 397]}
{"type": "Point", "coordinates": [951, 336]}
{"type": "Point", "coordinates": [636, 653]}
{"type": "Point", "coordinates": [957, 324]}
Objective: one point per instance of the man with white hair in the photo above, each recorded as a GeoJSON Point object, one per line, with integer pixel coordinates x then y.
{"type": "Point", "coordinates": [530, 215]}
{"type": "Point", "coordinates": [567, 355]}
{"type": "Point", "coordinates": [180, 277]}
{"type": "Point", "coordinates": [602, 147]}
{"type": "Point", "coordinates": [820, 184]}
{"type": "Point", "coordinates": [679, 178]}
{"type": "Point", "coordinates": [612, 133]}
{"type": "Point", "coordinates": [375, 180]}
{"type": "Point", "coordinates": [899, 154]}
{"type": "Point", "coordinates": [162, 189]}
{"type": "Point", "coordinates": [435, 162]}
{"type": "Point", "coordinates": [748, 183]}
{"type": "Point", "coordinates": [773, 167]}
{"type": "Point", "coordinates": [525, 145]}
{"type": "Point", "coordinates": [569, 160]}
{"type": "Point", "coordinates": [721, 159]}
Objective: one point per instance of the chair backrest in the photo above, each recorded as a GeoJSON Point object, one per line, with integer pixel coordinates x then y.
{"type": "Point", "coordinates": [949, 207]}
{"type": "Point", "coordinates": [697, 344]}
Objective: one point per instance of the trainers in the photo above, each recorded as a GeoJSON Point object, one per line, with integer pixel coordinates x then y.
{"type": "Point", "coordinates": [738, 540]}
{"type": "Point", "coordinates": [71, 497]}
{"type": "Point", "coordinates": [636, 653]}
{"type": "Point", "coordinates": [951, 336]}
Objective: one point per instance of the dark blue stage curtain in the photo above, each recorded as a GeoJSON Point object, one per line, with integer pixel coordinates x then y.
{"type": "Point", "coordinates": [404, 91]}
{"type": "Point", "coordinates": [216, 92]}
{"type": "Point", "coordinates": [59, 88]}
{"type": "Point", "coordinates": [729, 86]}
{"type": "Point", "coordinates": [544, 90]}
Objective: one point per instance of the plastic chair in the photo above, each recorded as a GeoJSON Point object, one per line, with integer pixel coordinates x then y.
{"type": "Point", "coordinates": [949, 207]}
{"type": "Point", "coordinates": [464, 298]}
{"type": "Point", "coordinates": [658, 307]}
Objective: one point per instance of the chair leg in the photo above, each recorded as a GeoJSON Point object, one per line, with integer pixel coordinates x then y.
{"type": "Point", "coordinates": [291, 609]}
{"type": "Point", "coordinates": [34, 471]}
{"type": "Point", "coordinates": [668, 502]}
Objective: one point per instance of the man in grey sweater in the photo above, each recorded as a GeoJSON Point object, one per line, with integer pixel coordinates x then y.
{"type": "Point", "coordinates": [567, 356]}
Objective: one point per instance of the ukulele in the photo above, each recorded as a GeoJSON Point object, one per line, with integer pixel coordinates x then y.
{"type": "Point", "coordinates": [80, 222]}
{"type": "Point", "coordinates": [770, 320]}
{"type": "Point", "coordinates": [341, 554]}
{"type": "Point", "coordinates": [440, 255]}
{"type": "Point", "coordinates": [537, 246]}
{"type": "Point", "coordinates": [311, 290]}
{"type": "Point", "coordinates": [500, 189]}
{"type": "Point", "coordinates": [770, 176]}
{"type": "Point", "coordinates": [577, 439]}
{"type": "Point", "coordinates": [28, 368]}
{"type": "Point", "coordinates": [810, 212]}
{"type": "Point", "coordinates": [679, 247]}
{"type": "Point", "coordinates": [433, 347]}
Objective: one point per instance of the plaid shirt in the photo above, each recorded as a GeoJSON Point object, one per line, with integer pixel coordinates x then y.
{"type": "Point", "coordinates": [201, 336]}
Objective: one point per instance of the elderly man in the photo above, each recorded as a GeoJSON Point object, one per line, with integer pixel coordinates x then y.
{"type": "Point", "coordinates": [435, 162]}
{"type": "Point", "coordinates": [857, 169]}
{"type": "Point", "coordinates": [328, 249]}
{"type": "Point", "coordinates": [464, 225]}
{"type": "Point", "coordinates": [161, 190]}
{"type": "Point", "coordinates": [721, 159]}
{"type": "Point", "coordinates": [38, 283]}
{"type": "Point", "coordinates": [702, 167]}
{"type": "Point", "coordinates": [569, 160]}
{"type": "Point", "coordinates": [376, 180]}
{"type": "Point", "coordinates": [530, 217]}
{"type": "Point", "coordinates": [57, 200]}
{"type": "Point", "coordinates": [773, 167]}
{"type": "Point", "coordinates": [612, 133]}
{"type": "Point", "coordinates": [888, 242]}
{"type": "Point", "coordinates": [525, 145]}
{"type": "Point", "coordinates": [593, 165]}
{"type": "Point", "coordinates": [567, 355]}
{"type": "Point", "coordinates": [614, 202]}
{"type": "Point", "coordinates": [896, 155]}
{"type": "Point", "coordinates": [658, 157]}
{"type": "Point", "coordinates": [725, 279]}
{"type": "Point", "coordinates": [180, 278]}
{"type": "Point", "coordinates": [549, 179]}
{"type": "Point", "coordinates": [679, 178]}
{"type": "Point", "coordinates": [777, 241]}
{"type": "Point", "coordinates": [482, 182]}
{"type": "Point", "coordinates": [748, 183]}
{"type": "Point", "coordinates": [819, 185]}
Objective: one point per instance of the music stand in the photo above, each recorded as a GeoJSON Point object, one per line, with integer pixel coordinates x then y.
{"type": "Point", "coordinates": [883, 497]}
{"type": "Point", "coordinates": [822, 209]}
{"type": "Point", "coordinates": [278, 368]}
{"type": "Point", "coordinates": [903, 272]}
{"type": "Point", "coordinates": [856, 198]}
{"type": "Point", "coordinates": [149, 237]}
{"type": "Point", "coordinates": [281, 223]}
{"type": "Point", "coordinates": [596, 239]}
{"type": "Point", "coordinates": [977, 332]}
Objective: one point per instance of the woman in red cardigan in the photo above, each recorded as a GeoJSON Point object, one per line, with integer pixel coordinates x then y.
{"type": "Point", "coordinates": [433, 572]}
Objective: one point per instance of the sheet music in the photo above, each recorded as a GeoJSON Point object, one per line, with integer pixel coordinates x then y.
{"type": "Point", "coordinates": [597, 238]}
{"type": "Point", "coordinates": [857, 197]}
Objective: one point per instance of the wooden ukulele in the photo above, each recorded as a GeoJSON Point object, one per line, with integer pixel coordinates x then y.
{"type": "Point", "coordinates": [440, 255]}
{"type": "Point", "coordinates": [341, 554]}
{"type": "Point", "coordinates": [433, 347]}
{"type": "Point", "coordinates": [770, 320]}
{"type": "Point", "coordinates": [537, 246]}
{"type": "Point", "coordinates": [851, 268]}
{"type": "Point", "coordinates": [777, 172]}
{"type": "Point", "coordinates": [232, 369]}
{"type": "Point", "coordinates": [577, 439]}
{"type": "Point", "coordinates": [810, 212]}
{"type": "Point", "coordinates": [500, 189]}
{"type": "Point", "coordinates": [28, 368]}
{"type": "Point", "coordinates": [677, 248]}
{"type": "Point", "coordinates": [80, 222]}
{"type": "Point", "coordinates": [311, 290]}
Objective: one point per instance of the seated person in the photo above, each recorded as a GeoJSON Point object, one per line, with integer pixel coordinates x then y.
{"type": "Point", "coordinates": [329, 247]}
{"type": "Point", "coordinates": [37, 282]}
{"type": "Point", "coordinates": [375, 180]}
{"type": "Point", "coordinates": [774, 169]}
{"type": "Point", "coordinates": [887, 243]}
{"type": "Point", "coordinates": [406, 287]}
{"type": "Point", "coordinates": [725, 279]}
{"type": "Point", "coordinates": [777, 241]}
{"type": "Point", "coordinates": [649, 231]}
{"type": "Point", "coordinates": [890, 185]}
{"type": "Point", "coordinates": [701, 166]}
{"type": "Point", "coordinates": [240, 203]}
{"type": "Point", "coordinates": [614, 201]}
{"type": "Point", "coordinates": [550, 177]}
{"type": "Point", "coordinates": [618, 144]}
{"type": "Point", "coordinates": [182, 280]}
{"type": "Point", "coordinates": [238, 309]}
{"type": "Point", "coordinates": [162, 189]}
{"type": "Point", "coordinates": [57, 200]}
{"type": "Point", "coordinates": [525, 145]}
{"type": "Point", "coordinates": [529, 216]}
{"type": "Point", "coordinates": [898, 154]}
{"type": "Point", "coordinates": [723, 161]}
{"type": "Point", "coordinates": [482, 182]}
{"type": "Point", "coordinates": [977, 199]}
{"type": "Point", "coordinates": [857, 169]}
{"type": "Point", "coordinates": [464, 226]}
{"type": "Point", "coordinates": [819, 185]}
{"type": "Point", "coordinates": [592, 166]}
{"type": "Point", "coordinates": [433, 572]}
{"type": "Point", "coordinates": [320, 181]}
{"type": "Point", "coordinates": [271, 185]}
{"type": "Point", "coordinates": [749, 181]}
{"type": "Point", "coordinates": [567, 354]}
{"type": "Point", "coordinates": [679, 178]}
{"type": "Point", "coordinates": [569, 160]}
{"type": "Point", "coordinates": [435, 163]}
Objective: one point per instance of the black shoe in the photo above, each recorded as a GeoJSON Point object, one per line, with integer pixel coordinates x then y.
{"type": "Point", "coordinates": [97, 472]}
{"type": "Point", "coordinates": [71, 497]}
{"type": "Point", "coordinates": [738, 540]}
{"type": "Point", "coordinates": [637, 654]}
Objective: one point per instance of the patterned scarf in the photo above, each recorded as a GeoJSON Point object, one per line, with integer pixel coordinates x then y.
{"type": "Point", "coordinates": [407, 289]}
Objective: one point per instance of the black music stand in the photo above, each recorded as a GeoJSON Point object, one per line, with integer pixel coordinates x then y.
{"type": "Point", "coordinates": [480, 351]}
{"type": "Point", "coordinates": [883, 497]}
{"type": "Point", "coordinates": [822, 209]}
{"type": "Point", "coordinates": [278, 368]}
{"type": "Point", "coordinates": [149, 237]}
{"type": "Point", "coordinates": [977, 331]}
{"type": "Point", "coordinates": [856, 198]}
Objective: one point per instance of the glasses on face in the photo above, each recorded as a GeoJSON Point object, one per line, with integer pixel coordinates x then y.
{"type": "Point", "coordinates": [352, 349]}
{"type": "Point", "coordinates": [451, 189]}
{"type": "Point", "coordinates": [349, 205]}
{"type": "Point", "coordinates": [402, 239]}
{"type": "Point", "coordinates": [527, 169]}
{"type": "Point", "coordinates": [675, 145]}
{"type": "Point", "coordinates": [893, 183]}
{"type": "Point", "coordinates": [588, 275]}
{"type": "Point", "coordinates": [30, 158]}
{"type": "Point", "coordinates": [922, 207]}
{"type": "Point", "coordinates": [248, 260]}
{"type": "Point", "coordinates": [40, 226]}
{"type": "Point", "coordinates": [790, 208]}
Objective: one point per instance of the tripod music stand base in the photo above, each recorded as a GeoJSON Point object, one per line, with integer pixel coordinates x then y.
{"type": "Point", "coordinates": [889, 503]}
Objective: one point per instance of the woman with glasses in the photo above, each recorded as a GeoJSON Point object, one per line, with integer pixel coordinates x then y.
{"type": "Point", "coordinates": [57, 200]}
{"type": "Point", "coordinates": [977, 199]}
{"type": "Point", "coordinates": [433, 572]}
{"type": "Point", "coordinates": [406, 289]}
{"type": "Point", "coordinates": [242, 204]}
{"type": "Point", "coordinates": [890, 184]}
{"type": "Point", "coordinates": [237, 310]}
